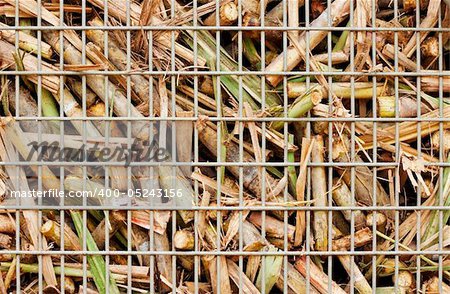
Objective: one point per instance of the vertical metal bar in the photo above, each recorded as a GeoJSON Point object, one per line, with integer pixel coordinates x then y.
{"type": "Point", "coordinates": [153, 171]}
{"type": "Point", "coordinates": [129, 143]}
{"type": "Point", "coordinates": [286, 22]}
{"type": "Point", "coordinates": [441, 151]}
{"type": "Point", "coordinates": [84, 134]}
{"type": "Point", "coordinates": [419, 147]}
{"type": "Point", "coordinates": [352, 139]}
{"type": "Point", "coordinates": [62, 124]}
{"type": "Point", "coordinates": [220, 119]}
{"type": "Point", "coordinates": [40, 111]}
{"type": "Point", "coordinates": [374, 155]}
{"type": "Point", "coordinates": [241, 139]}
{"type": "Point", "coordinates": [17, 169]}
{"type": "Point", "coordinates": [330, 152]}
{"type": "Point", "coordinates": [172, 114]}
{"type": "Point", "coordinates": [196, 148]}
{"type": "Point", "coordinates": [397, 152]}
{"type": "Point", "coordinates": [308, 132]}
{"type": "Point", "coordinates": [220, 126]}
{"type": "Point", "coordinates": [263, 134]}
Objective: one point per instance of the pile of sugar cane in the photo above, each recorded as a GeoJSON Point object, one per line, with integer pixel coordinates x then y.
{"type": "Point", "coordinates": [305, 202]}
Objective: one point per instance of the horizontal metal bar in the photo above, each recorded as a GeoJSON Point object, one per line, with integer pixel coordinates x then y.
{"type": "Point", "coordinates": [227, 73]}
{"type": "Point", "coordinates": [234, 253]}
{"type": "Point", "coordinates": [218, 163]}
{"type": "Point", "coordinates": [228, 208]}
{"type": "Point", "coordinates": [242, 119]}
{"type": "Point", "coordinates": [226, 28]}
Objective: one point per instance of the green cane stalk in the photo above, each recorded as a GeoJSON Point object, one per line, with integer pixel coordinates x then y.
{"type": "Point", "coordinates": [292, 174]}
{"type": "Point", "coordinates": [96, 262]}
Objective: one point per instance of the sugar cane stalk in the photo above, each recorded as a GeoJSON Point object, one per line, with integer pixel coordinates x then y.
{"type": "Point", "coordinates": [300, 186]}
{"type": "Point", "coordinates": [364, 178]}
{"type": "Point", "coordinates": [352, 269]}
{"type": "Point", "coordinates": [343, 197]}
{"type": "Point", "coordinates": [30, 62]}
{"type": "Point", "coordinates": [114, 96]}
{"type": "Point", "coordinates": [271, 273]}
{"type": "Point", "coordinates": [228, 15]}
{"type": "Point", "coordinates": [99, 235]}
{"type": "Point", "coordinates": [319, 194]}
{"type": "Point", "coordinates": [251, 181]}
{"type": "Point", "coordinates": [360, 90]}
{"type": "Point", "coordinates": [96, 262]}
{"type": "Point", "coordinates": [301, 106]}
{"type": "Point", "coordinates": [337, 12]}
{"type": "Point", "coordinates": [236, 274]}
{"type": "Point", "coordinates": [119, 59]}
{"type": "Point", "coordinates": [27, 42]}
{"type": "Point", "coordinates": [52, 231]}
{"type": "Point", "coordinates": [317, 277]}
{"type": "Point", "coordinates": [407, 106]}
{"type": "Point", "coordinates": [295, 281]}
{"type": "Point", "coordinates": [291, 169]}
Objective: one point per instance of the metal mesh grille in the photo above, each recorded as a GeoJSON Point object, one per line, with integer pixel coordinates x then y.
{"type": "Point", "coordinates": [209, 265]}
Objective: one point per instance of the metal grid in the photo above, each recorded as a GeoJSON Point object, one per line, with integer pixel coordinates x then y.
{"type": "Point", "coordinates": [197, 71]}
